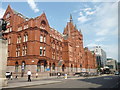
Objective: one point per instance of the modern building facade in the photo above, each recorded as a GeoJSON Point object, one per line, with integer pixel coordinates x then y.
{"type": "Point", "coordinates": [100, 55]}
{"type": "Point", "coordinates": [112, 64]}
{"type": "Point", "coordinates": [34, 45]}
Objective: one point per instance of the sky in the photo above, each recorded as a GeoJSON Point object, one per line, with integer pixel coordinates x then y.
{"type": "Point", "coordinates": [98, 21]}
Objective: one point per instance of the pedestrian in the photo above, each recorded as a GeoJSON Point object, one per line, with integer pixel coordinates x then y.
{"type": "Point", "coordinates": [29, 75]}
{"type": "Point", "coordinates": [36, 75]}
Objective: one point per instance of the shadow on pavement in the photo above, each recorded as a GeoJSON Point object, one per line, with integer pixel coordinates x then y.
{"type": "Point", "coordinates": [104, 82]}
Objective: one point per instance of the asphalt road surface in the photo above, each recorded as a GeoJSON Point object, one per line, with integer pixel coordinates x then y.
{"type": "Point", "coordinates": [99, 82]}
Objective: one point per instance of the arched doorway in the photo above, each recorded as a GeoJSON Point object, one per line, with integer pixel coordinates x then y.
{"type": "Point", "coordinates": [53, 66]}
{"type": "Point", "coordinates": [16, 67]}
{"type": "Point", "coordinates": [45, 65]}
{"type": "Point", "coordinates": [39, 66]}
{"type": "Point", "coordinates": [23, 66]}
{"type": "Point", "coordinates": [63, 67]}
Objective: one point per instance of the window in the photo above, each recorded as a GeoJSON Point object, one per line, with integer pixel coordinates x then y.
{"type": "Point", "coordinates": [53, 55]}
{"type": "Point", "coordinates": [19, 28]}
{"type": "Point", "coordinates": [8, 15]}
{"type": "Point", "coordinates": [25, 26]}
{"type": "Point", "coordinates": [44, 39]}
{"type": "Point", "coordinates": [19, 39]}
{"type": "Point", "coordinates": [17, 51]}
{"type": "Point", "coordinates": [44, 52]}
{"type": "Point", "coordinates": [96, 50]}
{"type": "Point", "coordinates": [43, 24]}
{"type": "Point", "coordinates": [9, 40]}
{"type": "Point", "coordinates": [41, 51]}
{"type": "Point", "coordinates": [25, 37]}
{"type": "Point", "coordinates": [41, 38]}
{"type": "Point", "coordinates": [24, 51]}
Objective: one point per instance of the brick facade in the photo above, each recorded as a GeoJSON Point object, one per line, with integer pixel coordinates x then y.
{"type": "Point", "coordinates": [33, 42]}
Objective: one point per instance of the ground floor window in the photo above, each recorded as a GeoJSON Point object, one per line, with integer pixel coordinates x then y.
{"type": "Point", "coordinates": [53, 66]}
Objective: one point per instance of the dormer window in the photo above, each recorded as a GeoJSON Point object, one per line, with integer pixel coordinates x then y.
{"type": "Point", "coordinates": [43, 24]}
{"type": "Point", "coordinates": [8, 15]}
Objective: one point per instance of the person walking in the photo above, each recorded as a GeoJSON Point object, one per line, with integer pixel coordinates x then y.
{"type": "Point", "coordinates": [29, 75]}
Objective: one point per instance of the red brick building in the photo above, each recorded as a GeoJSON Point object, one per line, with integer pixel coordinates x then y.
{"type": "Point", "coordinates": [34, 45]}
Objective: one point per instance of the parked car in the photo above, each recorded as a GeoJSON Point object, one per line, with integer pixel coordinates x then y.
{"type": "Point", "coordinates": [81, 74]}
{"type": "Point", "coordinates": [117, 73]}
{"type": "Point", "coordinates": [77, 74]}
{"type": "Point", "coordinates": [8, 74]}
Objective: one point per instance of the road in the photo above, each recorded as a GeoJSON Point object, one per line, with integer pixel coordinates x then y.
{"type": "Point", "coordinates": [98, 82]}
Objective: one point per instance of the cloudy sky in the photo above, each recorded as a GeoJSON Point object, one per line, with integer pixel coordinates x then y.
{"type": "Point", "coordinates": [98, 21]}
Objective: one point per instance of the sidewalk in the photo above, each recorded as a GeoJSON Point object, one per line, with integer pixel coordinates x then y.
{"type": "Point", "coordinates": [22, 82]}
{"type": "Point", "coordinates": [19, 84]}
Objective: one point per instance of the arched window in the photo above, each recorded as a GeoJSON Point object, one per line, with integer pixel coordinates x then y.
{"type": "Point", "coordinates": [43, 24]}
{"type": "Point", "coordinates": [44, 39]}
{"type": "Point", "coordinates": [41, 38]}
{"type": "Point", "coordinates": [19, 39]}
{"type": "Point", "coordinates": [24, 50]}
{"type": "Point", "coordinates": [41, 51]}
{"type": "Point", "coordinates": [25, 37]}
{"type": "Point", "coordinates": [17, 51]}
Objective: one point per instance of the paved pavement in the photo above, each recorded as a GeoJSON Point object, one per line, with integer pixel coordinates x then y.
{"type": "Point", "coordinates": [90, 83]}
{"type": "Point", "coordinates": [41, 82]}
